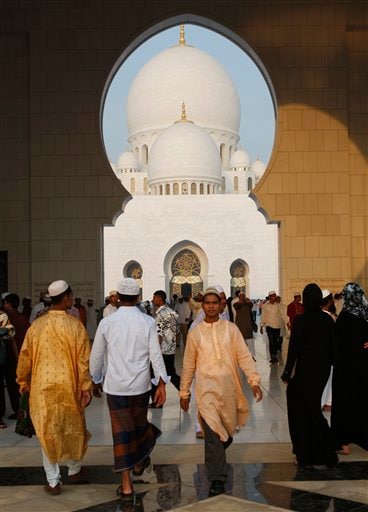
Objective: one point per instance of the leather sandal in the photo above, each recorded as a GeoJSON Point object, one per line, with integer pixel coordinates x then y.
{"type": "Point", "coordinates": [128, 497]}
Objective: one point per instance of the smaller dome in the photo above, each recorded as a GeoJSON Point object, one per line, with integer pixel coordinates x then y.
{"type": "Point", "coordinates": [258, 167]}
{"type": "Point", "coordinates": [185, 151]}
{"type": "Point", "coordinates": [127, 161]}
{"type": "Point", "coordinates": [240, 159]}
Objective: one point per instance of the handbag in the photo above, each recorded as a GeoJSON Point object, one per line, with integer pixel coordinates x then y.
{"type": "Point", "coordinates": [24, 425]}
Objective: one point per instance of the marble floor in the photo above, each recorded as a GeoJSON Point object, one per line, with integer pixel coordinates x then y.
{"type": "Point", "coordinates": [261, 473]}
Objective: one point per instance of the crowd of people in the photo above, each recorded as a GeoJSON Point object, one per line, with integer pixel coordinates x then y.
{"type": "Point", "coordinates": [60, 353]}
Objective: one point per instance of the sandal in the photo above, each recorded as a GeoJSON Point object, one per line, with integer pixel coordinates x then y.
{"type": "Point", "coordinates": [125, 497]}
{"type": "Point", "coordinates": [145, 464]}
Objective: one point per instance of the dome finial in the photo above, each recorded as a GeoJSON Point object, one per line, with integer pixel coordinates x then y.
{"type": "Point", "coordinates": [183, 118]}
{"type": "Point", "coordinates": [183, 112]}
{"type": "Point", "coordinates": [182, 36]}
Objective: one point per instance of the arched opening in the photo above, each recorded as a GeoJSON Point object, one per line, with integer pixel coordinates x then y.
{"type": "Point", "coordinates": [132, 185]}
{"type": "Point", "coordinates": [145, 185]}
{"type": "Point", "coordinates": [239, 277]}
{"type": "Point", "coordinates": [144, 154]}
{"type": "Point", "coordinates": [224, 154]}
{"type": "Point", "coordinates": [236, 184]}
{"type": "Point", "coordinates": [224, 134]}
{"type": "Point", "coordinates": [186, 274]}
{"type": "Point", "coordinates": [134, 270]}
{"type": "Point", "coordinates": [250, 184]}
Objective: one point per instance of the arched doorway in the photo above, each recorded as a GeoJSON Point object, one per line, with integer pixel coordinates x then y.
{"type": "Point", "coordinates": [186, 274]}
{"type": "Point", "coordinates": [239, 271]}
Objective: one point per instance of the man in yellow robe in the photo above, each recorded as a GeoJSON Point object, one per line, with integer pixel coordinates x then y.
{"type": "Point", "coordinates": [214, 352]}
{"type": "Point", "coordinates": [53, 368]}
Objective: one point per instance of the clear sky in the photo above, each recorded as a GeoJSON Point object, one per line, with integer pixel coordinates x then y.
{"type": "Point", "coordinates": [257, 126]}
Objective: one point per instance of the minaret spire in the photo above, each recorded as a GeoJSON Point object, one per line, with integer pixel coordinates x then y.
{"type": "Point", "coordinates": [182, 36]}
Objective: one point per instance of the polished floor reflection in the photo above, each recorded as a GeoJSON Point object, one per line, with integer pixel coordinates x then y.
{"type": "Point", "coordinates": [261, 473]}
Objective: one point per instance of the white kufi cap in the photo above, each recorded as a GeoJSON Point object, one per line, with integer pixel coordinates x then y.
{"type": "Point", "coordinates": [57, 288]}
{"type": "Point", "coordinates": [128, 286]}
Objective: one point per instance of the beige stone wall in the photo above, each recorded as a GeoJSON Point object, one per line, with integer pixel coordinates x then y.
{"type": "Point", "coordinates": [57, 189]}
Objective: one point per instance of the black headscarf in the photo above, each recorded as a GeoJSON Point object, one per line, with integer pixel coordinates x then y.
{"type": "Point", "coordinates": [355, 301]}
{"type": "Point", "coordinates": [312, 297]}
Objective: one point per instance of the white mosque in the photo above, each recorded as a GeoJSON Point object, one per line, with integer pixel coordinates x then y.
{"type": "Point", "coordinates": [191, 222]}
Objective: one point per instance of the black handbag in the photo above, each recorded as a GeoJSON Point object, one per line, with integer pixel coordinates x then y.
{"type": "Point", "coordinates": [24, 425]}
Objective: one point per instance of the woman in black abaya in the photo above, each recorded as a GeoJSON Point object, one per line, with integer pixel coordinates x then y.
{"type": "Point", "coordinates": [306, 372]}
{"type": "Point", "coordinates": [349, 416]}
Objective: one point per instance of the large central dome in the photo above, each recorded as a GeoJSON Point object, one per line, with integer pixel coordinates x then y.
{"type": "Point", "coordinates": [183, 73]}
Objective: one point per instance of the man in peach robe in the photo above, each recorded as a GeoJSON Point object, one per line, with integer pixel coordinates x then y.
{"type": "Point", "coordinates": [214, 352]}
{"type": "Point", "coordinates": [53, 368]}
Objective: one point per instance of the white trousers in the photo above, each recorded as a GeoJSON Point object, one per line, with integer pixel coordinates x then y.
{"type": "Point", "coordinates": [250, 344]}
{"type": "Point", "coordinates": [53, 471]}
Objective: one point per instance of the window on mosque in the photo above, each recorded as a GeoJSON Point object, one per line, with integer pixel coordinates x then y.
{"type": "Point", "coordinates": [238, 272]}
{"type": "Point", "coordinates": [193, 188]}
{"type": "Point", "coordinates": [201, 188]}
{"type": "Point", "coordinates": [184, 188]}
{"type": "Point", "coordinates": [236, 184]}
{"type": "Point", "coordinates": [167, 189]}
{"type": "Point", "coordinates": [175, 189]}
{"type": "Point", "coordinates": [132, 185]}
{"type": "Point", "coordinates": [250, 184]}
{"type": "Point", "coordinates": [145, 185]}
{"type": "Point", "coordinates": [144, 154]}
{"type": "Point", "coordinates": [134, 270]}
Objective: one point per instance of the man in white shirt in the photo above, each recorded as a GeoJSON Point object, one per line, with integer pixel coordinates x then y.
{"type": "Point", "coordinates": [113, 303]}
{"type": "Point", "coordinates": [128, 339]}
{"type": "Point", "coordinates": [273, 318]}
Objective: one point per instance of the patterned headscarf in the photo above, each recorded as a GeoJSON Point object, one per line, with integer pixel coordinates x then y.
{"type": "Point", "coordinates": [355, 301]}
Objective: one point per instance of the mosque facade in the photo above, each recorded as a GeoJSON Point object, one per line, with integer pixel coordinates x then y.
{"type": "Point", "coordinates": [191, 222]}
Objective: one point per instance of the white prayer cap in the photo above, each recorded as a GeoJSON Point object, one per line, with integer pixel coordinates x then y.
{"type": "Point", "coordinates": [113, 292]}
{"type": "Point", "coordinates": [3, 295]}
{"type": "Point", "coordinates": [272, 292]}
{"type": "Point", "coordinates": [128, 286]}
{"type": "Point", "coordinates": [218, 287]}
{"type": "Point", "coordinates": [297, 294]}
{"type": "Point", "coordinates": [325, 293]}
{"type": "Point", "coordinates": [57, 288]}
{"type": "Point", "coordinates": [212, 290]}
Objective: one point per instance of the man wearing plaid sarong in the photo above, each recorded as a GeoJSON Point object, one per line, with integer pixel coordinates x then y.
{"type": "Point", "coordinates": [128, 340]}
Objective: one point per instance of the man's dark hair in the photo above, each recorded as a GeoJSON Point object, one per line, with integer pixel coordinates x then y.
{"type": "Point", "coordinates": [13, 300]}
{"type": "Point", "coordinates": [131, 299]}
{"type": "Point", "coordinates": [58, 298]}
{"type": "Point", "coordinates": [161, 293]}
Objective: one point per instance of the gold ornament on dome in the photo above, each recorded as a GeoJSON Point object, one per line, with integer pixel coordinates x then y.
{"type": "Point", "coordinates": [182, 36]}
{"type": "Point", "coordinates": [183, 118]}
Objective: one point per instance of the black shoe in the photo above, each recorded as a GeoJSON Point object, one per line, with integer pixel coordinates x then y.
{"type": "Point", "coordinates": [217, 487]}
